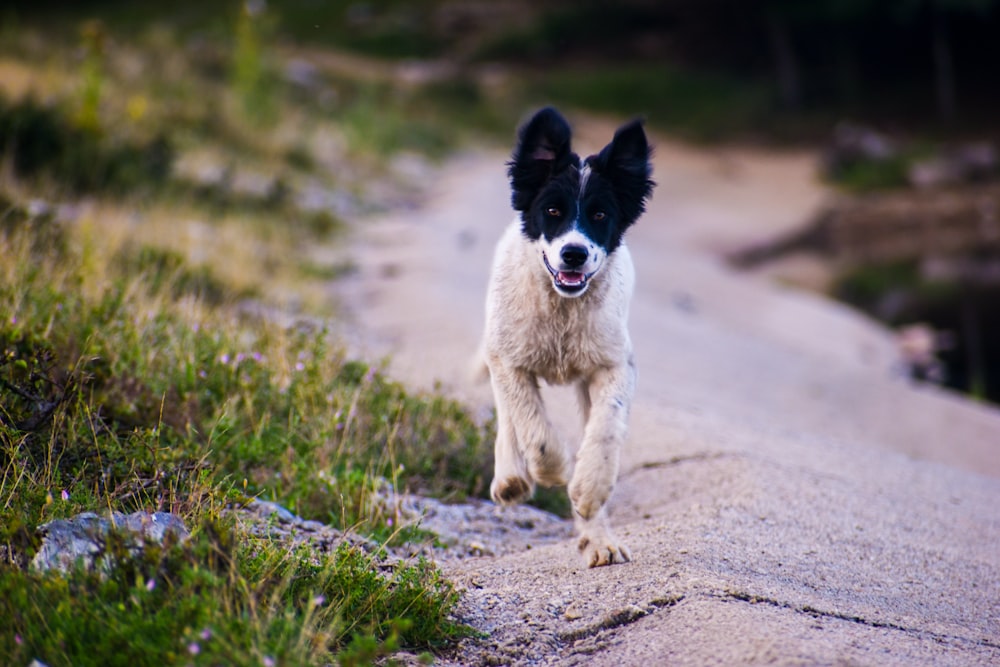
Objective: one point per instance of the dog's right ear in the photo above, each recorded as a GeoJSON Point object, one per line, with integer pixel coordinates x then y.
{"type": "Point", "coordinates": [542, 150]}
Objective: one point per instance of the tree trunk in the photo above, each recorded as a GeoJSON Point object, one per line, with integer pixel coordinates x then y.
{"type": "Point", "coordinates": [944, 68]}
{"type": "Point", "coordinates": [786, 66]}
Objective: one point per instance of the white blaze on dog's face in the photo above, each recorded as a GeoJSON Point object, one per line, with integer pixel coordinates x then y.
{"type": "Point", "coordinates": [576, 212]}
{"type": "Point", "coordinates": [565, 248]}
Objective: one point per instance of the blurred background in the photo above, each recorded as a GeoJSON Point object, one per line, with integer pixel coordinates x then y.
{"type": "Point", "coordinates": [310, 113]}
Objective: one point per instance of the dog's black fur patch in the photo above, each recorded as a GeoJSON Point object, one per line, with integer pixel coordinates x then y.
{"type": "Point", "coordinates": [545, 177]}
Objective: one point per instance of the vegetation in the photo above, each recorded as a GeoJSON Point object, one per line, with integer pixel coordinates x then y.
{"type": "Point", "coordinates": [152, 358]}
{"type": "Point", "coordinates": [223, 599]}
{"type": "Point", "coordinates": [126, 389]}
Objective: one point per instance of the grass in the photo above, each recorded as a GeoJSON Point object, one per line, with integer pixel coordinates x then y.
{"type": "Point", "coordinates": [128, 385]}
{"type": "Point", "coordinates": [698, 106]}
{"type": "Point", "coordinates": [133, 377]}
{"type": "Point", "coordinates": [40, 145]}
{"type": "Point", "coordinates": [128, 355]}
{"type": "Point", "coordinates": [866, 175]}
{"type": "Point", "coordinates": [225, 599]}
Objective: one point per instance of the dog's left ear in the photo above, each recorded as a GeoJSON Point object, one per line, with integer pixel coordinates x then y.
{"type": "Point", "coordinates": [543, 149]}
{"type": "Point", "coordinates": [625, 162]}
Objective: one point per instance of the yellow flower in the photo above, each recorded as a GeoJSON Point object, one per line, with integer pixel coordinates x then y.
{"type": "Point", "coordinates": [137, 107]}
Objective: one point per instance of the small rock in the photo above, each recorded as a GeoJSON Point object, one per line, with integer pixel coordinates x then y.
{"type": "Point", "coordinates": [477, 548]}
{"type": "Point", "coordinates": [82, 539]}
{"type": "Point", "coordinates": [267, 509]}
{"type": "Point", "coordinates": [573, 612]}
{"type": "Point", "coordinates": [853, 144]}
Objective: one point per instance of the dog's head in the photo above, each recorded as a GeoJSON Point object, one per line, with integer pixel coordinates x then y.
{"type": "Point", "coordinates": [577, 211]}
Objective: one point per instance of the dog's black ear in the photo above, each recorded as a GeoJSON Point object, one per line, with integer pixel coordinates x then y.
{"type": "Point", "coordinates": [625, 162]}
{"type": "Point", "coordinates": [543, 148]}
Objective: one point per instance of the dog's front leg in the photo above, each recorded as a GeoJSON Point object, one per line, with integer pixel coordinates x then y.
{"type": "Point", "coordinates": [610, 391]}
{"type": "Point", "coordinates": [527, 450]}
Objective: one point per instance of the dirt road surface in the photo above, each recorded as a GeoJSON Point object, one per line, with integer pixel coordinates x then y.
{"type": "Point", "coordinates": [788, 497]}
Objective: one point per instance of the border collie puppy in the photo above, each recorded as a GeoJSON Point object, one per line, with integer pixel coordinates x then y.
{"type": "Point", "coordinates": [557, 310]}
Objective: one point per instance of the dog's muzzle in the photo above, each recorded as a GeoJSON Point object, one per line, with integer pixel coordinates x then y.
{"type": "Point", "coordinates": [569, 281]}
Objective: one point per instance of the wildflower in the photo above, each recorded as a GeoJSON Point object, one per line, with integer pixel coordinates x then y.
{"type": "Point", "coordinates": [13, 319]}
{"type": "Point", "coordinates": [202, 374]}
{"type": "Point", "coordinates": [300, 366]}
{"type": "Point", "coordinates": [319, 600]}
{"type": "Point", "coordinates": [17, 639]}
{"type": "Point", "coordinates": [206, 634]}
{"type": "Point", "coordinates": [64, 495]}
{"type": "Point", "coordinates": [151, 584]}
{"type": "Point", "coordinates": [224, 358]}
{"type": "Point", "coordinates": [268, 661]}
{"type": "Point", "coordinates": [193, 648]}
{"type": "Point", "coordinates": [388, 522]}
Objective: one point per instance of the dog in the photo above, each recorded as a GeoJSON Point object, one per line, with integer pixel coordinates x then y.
{"type": "Point", "coordinates": [557, 310]}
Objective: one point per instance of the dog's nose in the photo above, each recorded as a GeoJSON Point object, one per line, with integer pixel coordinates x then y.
{"type": "Point", "coordinates": [573, 256]}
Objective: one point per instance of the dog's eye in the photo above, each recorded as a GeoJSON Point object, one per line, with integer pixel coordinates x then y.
{"type": "Point", "coordinates": [553, 212]}
{"type": "Point", "coordinates": [599, 215]}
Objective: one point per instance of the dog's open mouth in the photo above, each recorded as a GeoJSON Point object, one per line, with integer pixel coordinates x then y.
{"type": "Point", "coordinates": [567, 281]}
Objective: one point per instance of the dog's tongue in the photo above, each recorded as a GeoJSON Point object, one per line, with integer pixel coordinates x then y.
{"type": "Point", "coordinates": [570, 277]}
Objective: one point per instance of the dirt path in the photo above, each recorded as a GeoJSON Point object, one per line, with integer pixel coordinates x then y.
{"type": "Point", "coordinates": [787, 497]}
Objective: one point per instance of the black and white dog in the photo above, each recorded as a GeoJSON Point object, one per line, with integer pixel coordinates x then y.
{"type": "Point", "coordinates": [557, 309]}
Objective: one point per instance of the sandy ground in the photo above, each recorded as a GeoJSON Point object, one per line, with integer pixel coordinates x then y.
{"type": "Point", "coordinates": [787, 496]}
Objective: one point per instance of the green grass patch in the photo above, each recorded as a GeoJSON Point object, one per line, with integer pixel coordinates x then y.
{"type": "Point", "coordinates": [224, 598]}
{"type": "Point", "coordinates": [117, 395]}
{"type": "Point", "coordinates": [874, 175]}
{"type": "Point", "coordinates": [128, 383]}
{"type": "Point", "coordinates": [42, 142]}
{"type": "Point", "coordinates": [864, 175]}
{"type": "Point", "coordinates": [697, 105]}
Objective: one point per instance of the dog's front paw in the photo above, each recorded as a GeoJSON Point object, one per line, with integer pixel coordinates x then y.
{"type": "Point", "coordinates": [510, 490]}
{"type": "Point", "coordinates": [603, 549]}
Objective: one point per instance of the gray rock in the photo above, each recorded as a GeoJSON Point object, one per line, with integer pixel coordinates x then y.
{"type": "Point", "coordinates": [853, 144]}
{"type": "Point", "coordinates": [83, 539]}
{"type": "Point", "coordinates": [263, 518]}
{"type": "Point", "coordinates": [969, 163]}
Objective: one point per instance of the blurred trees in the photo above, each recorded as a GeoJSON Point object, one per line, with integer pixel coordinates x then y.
{"type": "Point", "coordinates": [903, 19]}
{"type": "Point", "coordinates": [924, 58]}
{"type": "Point", "coordinates": [897, 58]}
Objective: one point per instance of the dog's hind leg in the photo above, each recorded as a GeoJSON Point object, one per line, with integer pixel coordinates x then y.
{"type": "Point", "coordinates": [597, 463]}
{"type": "Point", "coordinates": [521, 420]}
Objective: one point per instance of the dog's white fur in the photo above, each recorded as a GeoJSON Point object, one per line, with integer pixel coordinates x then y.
{"type": "Point", "coordinates": [533, 333]}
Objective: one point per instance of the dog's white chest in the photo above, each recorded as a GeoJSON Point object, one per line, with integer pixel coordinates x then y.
{"type": "Point", "coordinates": [561, 340]}
{"type": "Point", "coordinates": [569, 345]}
